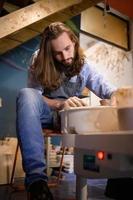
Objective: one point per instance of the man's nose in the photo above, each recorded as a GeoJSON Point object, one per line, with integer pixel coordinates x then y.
{"type": "Point", "coordinates": [64, 56]}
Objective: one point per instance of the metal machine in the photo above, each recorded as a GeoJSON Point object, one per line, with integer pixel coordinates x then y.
{"type": "Point", "coordinates": [98, 152]}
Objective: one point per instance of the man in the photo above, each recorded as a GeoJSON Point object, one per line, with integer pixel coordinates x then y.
{"type": "Point", "coordinates": [58, 73]}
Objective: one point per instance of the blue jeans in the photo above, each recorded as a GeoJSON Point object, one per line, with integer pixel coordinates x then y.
{"type": "Point", "coordinates": [32, 113]}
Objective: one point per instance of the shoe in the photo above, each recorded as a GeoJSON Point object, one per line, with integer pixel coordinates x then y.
{"type": "Point", "coordinates": [119, 188]}
{"type": "Point", "coordinates": [39, 191]}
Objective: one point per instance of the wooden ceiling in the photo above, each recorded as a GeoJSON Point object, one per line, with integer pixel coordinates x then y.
{"type": "Point", "coordinates": [22, 20]}
{"type": "Point", "coordinates": [27, 19]}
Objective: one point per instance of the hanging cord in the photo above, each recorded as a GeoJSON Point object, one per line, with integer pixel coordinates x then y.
{"type": "Point", "coordinates": [105, 11]}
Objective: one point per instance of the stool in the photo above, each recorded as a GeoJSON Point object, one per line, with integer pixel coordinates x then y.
{"type": "Point", "coordinates": [47, 134]}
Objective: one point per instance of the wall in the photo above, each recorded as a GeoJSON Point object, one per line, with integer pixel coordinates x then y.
{"type": "Point", "coordinates": [115, 64]}
{"type": "Point", "coordinates": [131, 38]}
{"type": "Point", "coordinates": [13, 77]}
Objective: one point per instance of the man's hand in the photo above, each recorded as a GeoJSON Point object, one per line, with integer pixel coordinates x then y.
{"type": "Point", "coordinates": [71, 102]}
{"type": "Point", "coordinates": [74, 102]}
{"type": "Point", "coordinates": [109, 102]}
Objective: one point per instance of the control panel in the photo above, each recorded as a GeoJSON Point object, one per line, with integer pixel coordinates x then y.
{"type": "Point", "coordinates": [102, 164]}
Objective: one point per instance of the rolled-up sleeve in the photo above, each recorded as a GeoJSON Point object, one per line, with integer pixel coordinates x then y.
{"type": "Point", "coordinates": [98, 84]}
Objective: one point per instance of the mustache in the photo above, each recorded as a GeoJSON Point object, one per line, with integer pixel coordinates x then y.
{"type": "Point", "coordinates": [62, 67]}
{"type": "Point", "coordinates": [67, 59]}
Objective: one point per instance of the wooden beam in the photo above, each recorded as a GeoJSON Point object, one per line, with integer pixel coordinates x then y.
{"type": "Point", "coordinates": [7, 44]}
{"type": "Point", "coordinates": [63, 16]}
{"type": "Point", "coordinates": [9, 7]}
{"type": "Point", "coordinates": [23, 35]}
{"type": "Point", "coordinates": [35, 29]}
{"type": "Point", "coordinates": [31, 14]}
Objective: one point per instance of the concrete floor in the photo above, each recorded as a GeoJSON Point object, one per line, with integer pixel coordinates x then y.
{"type": "Point", "coordinates": [65, 190]}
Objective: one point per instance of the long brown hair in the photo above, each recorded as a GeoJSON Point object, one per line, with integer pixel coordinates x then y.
{"type": "Point", "coordinates": [47, 71]}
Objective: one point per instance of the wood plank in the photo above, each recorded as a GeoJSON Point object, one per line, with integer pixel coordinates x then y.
{"type": "Point", "coordinates": [35, 29]}
{"type": "Point", "coordinates": [76, 9]}
{"type": "Point", "coordinates": [31, 14]}
{"type": "Point", "coordinates": [21, 3]}
{"type": "Point", "coordinates": [93, 22]}
{"type": "Point", "coordinates": [63, 15]}
{"type": "Point", "coordinates": [60, 16]}
{"type": "Point", "coordinates": [10, 7]}
{"type": "Point", "coordinates": [7, 44]}
{"type": "Point", "coordinates": [23, 35]}
{"type": "Point", "coordinates": [39, 26]}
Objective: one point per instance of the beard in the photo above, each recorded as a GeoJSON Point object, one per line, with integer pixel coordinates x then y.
{"type": "Point", "coordinates": [68, 62]}
{"type": "Point", "coordinates": [63, 66]}
{"type": "Point", "coordinates": [69, 69]}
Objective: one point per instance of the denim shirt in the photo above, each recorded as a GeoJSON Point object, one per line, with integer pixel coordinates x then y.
{"type": "Point", "coordinates": [88, 77]}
